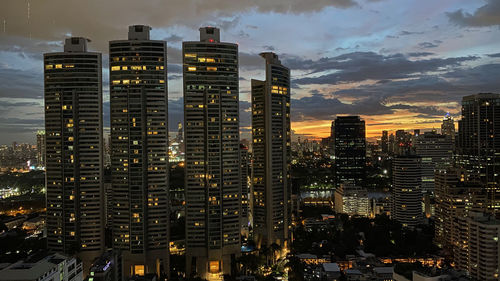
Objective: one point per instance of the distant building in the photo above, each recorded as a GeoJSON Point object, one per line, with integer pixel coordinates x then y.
{"type": "Point", "coordinates": [74, 150]}
{"type": "Point", "coordinates": [406, 190]}
{"type": "Point", "coordinates": [331, 271]}
{"type": "Point", "coordinates": [384, 142]}
{"type": "Point", "coordinates": [43, 267]}
{"type": "Point", "coordinates": [40, 148]}
{"type": "Point", "coordinates": [435, 150]}
{"type": "Point", "coordinates": [477, 248]}
{"type": "Point", "coordinates": [245, 190]}
{"type": "Point", "coordinates": [448, 126]}
{"type": "Point", "coordinates": [350, 150]}
{"type": "Point", "coordinates": [352, 200]}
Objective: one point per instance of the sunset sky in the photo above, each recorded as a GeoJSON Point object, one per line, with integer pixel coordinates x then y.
{"type": "Point", "coordinates": [400, 64]}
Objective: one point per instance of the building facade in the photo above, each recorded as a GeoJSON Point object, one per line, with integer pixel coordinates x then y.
{"type": "Point", "coordinates": [211, 137]}
{"type": "Point", "coordinates": [139, 156]}
{"type": "Point", "coordinates": [406, 190]}
{"type": "Point", "coordinates": [74, 143]}
{"type": "Point", "coordinates": [245, 190]}
{"type": "Point", "coordinates": [350, 150]}
{"type": "Point", "coordinates": [271, 154]}
{"type": "Point", "coordinates": [435, 150]}
{"type": "Point", "coordinates": [476, 246]}
{"type": "Point", "coordinates": [478, 144]}
{"type": "Point", "coordinates": [352, 200]}
{"type": "Point", "coordinates": [40, 148]}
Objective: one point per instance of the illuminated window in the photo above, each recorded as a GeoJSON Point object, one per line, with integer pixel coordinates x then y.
{"type": "Point", "coordinates": [190, 55]}
{"type": "Point", "coordinates": [162, 81]}
{"type": "Point", "coordinates": [211, 68]}
{"type": "Point", "coordinates": [115, 68]}
{"type": "Point", "coordinates": [69, 65]}
{"type": "Point", "coordinates": [126, 81]}
{"type": "Point", "coordinates": [49, 66]}
{"type": "Point", "coordinates": [210, 60]}
{"type": "Point", "coordinates": [58, 65]}
{"type": "Point", "coordinates": [139, 269]}
{"type": "Point", "coordinates": [192, 68]}
{"type": "Point", "coordinates": [116, 82]}
{"type": "Point", "coordinates": [201, 59]}
{"type": "Point", "coordinates": [214, 266]}
{"type": "Point", "coordinates": [124, 67]}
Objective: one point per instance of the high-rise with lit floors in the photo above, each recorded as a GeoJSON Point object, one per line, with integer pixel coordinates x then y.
{"type": "Point", "coordinates": [350, 150]}
{"type": "Point", "coordinates": [245, 191]}
{"type": "Point", "coordinates": [271, 154]}
{"type": "Point", "coordinates": [448, 126]}
{"type": "Point", "coordinates": [139, 152]}
{"type": "Point", "coordinates": [478, 144]}
{"type": "Point", "coordinates": [74, 149]}
{"type": "Point", "coordinates": [211, 137]}
{"type": "Point", "coordinates": [406, 190]}
{"type": "Point", "coordinates": [40, 148]}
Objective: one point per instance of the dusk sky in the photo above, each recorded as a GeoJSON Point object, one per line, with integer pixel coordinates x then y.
{"type": "Point", "coordinates": [400, 64]}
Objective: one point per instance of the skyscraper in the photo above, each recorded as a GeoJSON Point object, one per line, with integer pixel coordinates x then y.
{"type": "Point", "coordinates": [406, 190]}
{"type": "Point", "coordinates": [479, 136]}
{"type": "Point", "coordinates": [448, 126]}
{"type": "Point", "coordinates": [40, 148]}
{"type": "Point", "coordinates": [384, 142]}
{"type": "Point", "coordinates": [435, 149]}
{"type": "Point", "coordinates": [211, 136]}
{"type": "Point", "coordinates": [350, 150]}
{"type": "Point", "coordinates": [139, 156]}
{"type": "Point", "coordinates": [74, 149]}
{"type": "Point", "coordinates": [245, 190]}
{"type": "Point", "coordinates": [271, 152]}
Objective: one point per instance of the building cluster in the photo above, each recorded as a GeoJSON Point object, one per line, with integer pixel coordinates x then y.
{"type": "Point", "coordinates": [131, 202]}
{"type": "Point", "coordinates": [19, 157]}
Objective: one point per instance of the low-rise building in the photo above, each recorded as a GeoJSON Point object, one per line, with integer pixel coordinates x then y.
{"type": "Point", "coordinates": [331, 271]}
{"type": "Point", "coordinates": [43, 267]}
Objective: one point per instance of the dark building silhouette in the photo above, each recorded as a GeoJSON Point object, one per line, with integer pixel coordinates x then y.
{"type": "Point", "coordinates": [74, 150]}
{"type": "Point", "coordinates": [350, 150]}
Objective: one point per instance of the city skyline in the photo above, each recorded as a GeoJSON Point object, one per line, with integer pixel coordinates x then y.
{"type": "Point", "coordinates": [429, 64]}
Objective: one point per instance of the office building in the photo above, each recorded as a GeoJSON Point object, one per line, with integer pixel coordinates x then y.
{"type": "Point", "coordinates": [40, 148]}
{"type": "Point", "coordinates": [435, 150]}
{"type": "Point", "coordinates": [350, 150]}
{"type": "Point", "coordinates": [74, 150]}
{"type": "Point", "coordinates": [448, 126]}
{"type": "Point", "coordinates": [211, 137]}
{"type": "Point", "coordinates": [44, 267]}
{"type": "Point", "coordinates": [476, 246]}
{"type": "Point", "coordinates": [271, 154]}
{"type": "Point", "coordinates": [478, 144]}
{"type": "Point", "coordinates": [245, 190]}
{"type": "Point", "coordinates": [406, 190]}
{"type": "Point", "coordinates": [384, 142]}
{"type": "Point", "coordinates": [139, 156]}
{"type": "Point", "coordinates": [352, 200]}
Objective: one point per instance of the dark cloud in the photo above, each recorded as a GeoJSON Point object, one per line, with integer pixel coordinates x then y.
{"type": "Point", "coordinates": [486, 15]}
{"type": "Point", "coordinates": [497, 55]}
{"type": "Point", "coordinates": [428, 45]}
{"type": "Point", "coordinates": [360, 66]}
{"type": "Point", "coordinates": [21, 84]}
{"type": "Point", "coordinates": [268, 47]}
{"type": "Point", "coordinates": [52, 20]}
{"type": "Point", "coordinates": [420, 54]}
{"type": "Point", "coordinates": [406, 33]}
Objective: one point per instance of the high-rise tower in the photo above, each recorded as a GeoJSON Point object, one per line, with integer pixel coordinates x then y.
{"type": "Point", "coordinates": [211, 136]}
{"type": "Point", "coordinates": [40, 148]}
{"type": "Point", "coordinates": [406, 190]}
{"type": "Point", "coordinates": [139, 151]}
{"type": "Point", "coordinates": [350, 150]}
{"type": "Point", "coordinates": [271, 151]}
{"type": "Point", "coordinates": [74, 149]}
{"type": "Point", "coordinates": [478, 144]}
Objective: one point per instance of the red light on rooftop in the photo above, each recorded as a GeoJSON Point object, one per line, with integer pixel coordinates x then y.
{"type": "Point", "coordinates": [211, 40]}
